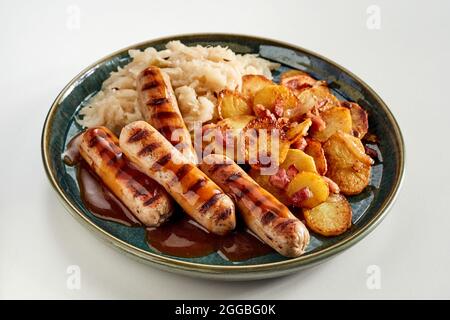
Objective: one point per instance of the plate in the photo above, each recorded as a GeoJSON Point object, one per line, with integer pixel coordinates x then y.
{"type": "Point", "coordinates": [369, 207]}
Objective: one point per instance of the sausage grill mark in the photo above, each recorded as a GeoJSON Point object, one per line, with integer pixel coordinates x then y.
{"type": "Point", "coordinates": [157, 101]}
{"type": "Point", "coordinates": [114, 160]}
{"type": "Point", "coordinates": [197, 185]}
{"type": "Point", "coordinates": [218, 166]}
{"type": "Point", "coordinates": [149, 72]}
{"type": "Point", "coordinates": [93, 141]}
{"type": "Point", "coordinates": [268, 217]}
{"type": "Point", "coordinates": [282, 226]}
{"type": "Point", "coordinates": [183, 170]}
{"type": "Point", "coordinates": [210, 202]}
{"type": "Point", "coordinates": [163, 160]}
{"type": "Point", "coordinates": [167, 131]}
{"type": "Point", "coordinates": [139, 135]}
{"type": "Point", "coordinates": [148, 149]}
{"type": "Point", "coordinates": [165, 115]}
{"type": "Point", "coordinates": [233, 177]}
{"type": "Point", "coordinates": [152, 199]}
{"type": "Point", "coordinates": [150, 85]}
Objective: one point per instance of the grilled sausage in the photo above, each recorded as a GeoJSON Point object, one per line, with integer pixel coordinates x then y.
{"type": "Point", "coordinates": [263, 213]}
{"type": "Point", "coordinates": [201, 198]}
{"type": "Point", "coordinates": [159, 107]}
{"type": "Point", "coordinates": [145, 198]}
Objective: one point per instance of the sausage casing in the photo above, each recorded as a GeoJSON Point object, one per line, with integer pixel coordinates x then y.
{"type": "Point", "coordinates": [159, 107]}
{"type": "Point", "coordinates": [263, 213]}
{"type": "Point", "coordinates": [145, 198]}
{"type": "Point", "coordinates": [200, 197]}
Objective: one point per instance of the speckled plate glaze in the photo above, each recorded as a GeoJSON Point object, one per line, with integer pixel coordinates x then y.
{"type": "Point", "coordinates": [369, 207]}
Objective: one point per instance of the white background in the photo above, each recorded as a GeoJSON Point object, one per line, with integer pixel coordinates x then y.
{"type": "Point", "coordinates": [406, 62]}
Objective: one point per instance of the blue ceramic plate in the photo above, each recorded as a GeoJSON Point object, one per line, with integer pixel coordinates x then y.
{"type": "Point", "coordinates": [368, 208]}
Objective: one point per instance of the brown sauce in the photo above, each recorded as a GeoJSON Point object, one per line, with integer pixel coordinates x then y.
{"type": "Point", "coordinates": [242, 245]}
{"type": "Point", "coordinates": [99, 200]}
{"type": "Point", "coordinates": [72, 155]}
{"type": "Point", "coordinates": [181, 236]}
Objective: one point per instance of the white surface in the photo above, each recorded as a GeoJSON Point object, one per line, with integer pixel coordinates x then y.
{"type": "Point", "coordinates": [406, 62]}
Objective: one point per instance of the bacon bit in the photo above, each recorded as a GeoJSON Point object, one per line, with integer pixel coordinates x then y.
{"type": "Point", "coordinates": [371, 152]}
{"type": "Point", "coordinates": [317, 122]}
{"type": "Point", "coordinates": [283, 122]}
{"type": "Point", "coordinates": [291, 172]}
{"type": "Point", "coordinates": [261, 112]}
{"type": "Point", "coordinates": [278, 110]}
{"type": "Point", "coordinates": [299, 82]}
{"type": "Point", "coordinates": [280, 179]}
{"type": "Point", "coordinates": [332, 186]}
{"type": "Point", "coordinates": [300, 196]}
{"type": "Point", "coordinates": [295, 85]}
{"type": "Point", "coordinates": [300, 144]}
{"type": "Point", "coordinates": [321, 104]}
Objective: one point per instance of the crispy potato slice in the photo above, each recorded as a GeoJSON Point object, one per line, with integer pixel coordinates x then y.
{"type": "Point", "coordinates": [319, 96]}
{"type": "Point", "coordinates": [291, 73]}
{"type": "Point", "coordinates": [236, 122]}
{"type": "Point", "coordinates": [330, 218]}
{"type": "Point", "coordinates": [263, 181]}
{"type": "Point", "coordinates": [360, 119]}
{"type": "Point", "coordinates": [300, 160]}
{"type": "Point", "coordinates": [315, 150]}
{"type": "Point", "coordinates": [225, 133]}
{"type": "Point", "coordinates": [275, 96]}
{"type": "Point", "coordinates": [275, 141]}
{"type": "Point", "coordinates": [336, 119]}
{"type": "Point", "coordinates": [348, 165]}
{"type": "Point", "coordinates": [252, 83]}
{"type": "Point", "coordinates": [298, 131]}
{"type": "Point", "coordinates": [314, 183]}
{"type": "Point", "coordinates": [232, 104]}
{"type": "Point", "coordinates": [297, 80]}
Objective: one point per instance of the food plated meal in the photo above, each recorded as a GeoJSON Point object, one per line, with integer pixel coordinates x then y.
{"type": "Point", "coordinates": [224, 156]}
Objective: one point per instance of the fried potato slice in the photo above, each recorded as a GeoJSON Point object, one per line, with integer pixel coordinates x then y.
{"type": "Point", "coordinates": [336, 119]}
{"type": "Point", "coordinates": [318, 96]}
{"type": "Point", "coordinates": [316, 185]}
{"type": "Point", "coordinates": [315, 150]}
{"type": "Point", "coordinates": [232, 104]}
{"type": "Point", "coordinates": [297, 80]}
{"type": "Point", "coordinates": [222, 137]}
{"type": "Point", "coordinates": [330, 218]}
{"type": "Point", "coordinates": [263, 181]}
{"type": "Point", "coordinates": [360, 119]}
{"type": "Point", "coordinates": [291, 73]}
{"type": "Point", "coordinates": [265, 137]}
{"type": "Point", "coordinates": [236, 122]}
{"type": "Point", "coordinates": [274, 96]}
{"type": "Point", "coordinates": [297, 131]}
{"type": "Point", "coordinates": [348, 165]}
{"type": "Point", "coordinates": [252, 83]}
{"type": "Point", "coordinates": [300, 160]}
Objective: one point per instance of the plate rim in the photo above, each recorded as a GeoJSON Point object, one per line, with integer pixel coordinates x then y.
{"type": "Point", "coordinates": [210, 269]}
